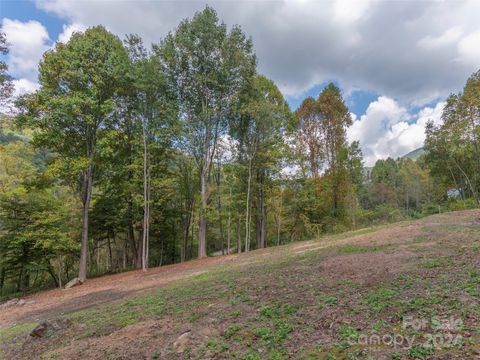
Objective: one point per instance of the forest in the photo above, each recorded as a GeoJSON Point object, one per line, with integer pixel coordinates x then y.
{"type": "Point", "coordinates": [130, 157]}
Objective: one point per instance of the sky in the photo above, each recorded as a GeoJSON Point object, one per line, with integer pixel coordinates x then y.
{"type": "Point", "coordinates": [395, 61]}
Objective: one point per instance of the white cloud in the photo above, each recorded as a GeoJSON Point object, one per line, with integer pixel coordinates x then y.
{"type": "Point", "coordinates": [388, 129]}
{"type": "Point", "coordinates": [448, 37]}
{"type": "Point", "coordinates": [68, 31]}
{"type": "Point", "coordinates": [28, 41]}
{"type": "Point", "coordinates": [469, 49]}
{"type": "Point", "coordinates": [20, 87]}
{"type": "Point", "coordinates": [405, 50]}
{"type": "Point", "coordinates": [347, 11]}
{"type": "Point", "coordinates": [24, 86]}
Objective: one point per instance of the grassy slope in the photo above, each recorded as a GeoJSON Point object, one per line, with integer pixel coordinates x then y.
{"type": "Point", "coordinates": [308, 302]}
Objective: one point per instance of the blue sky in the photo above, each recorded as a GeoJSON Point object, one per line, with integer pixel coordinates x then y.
{"type": "Point", "coordinates": [395, 62]}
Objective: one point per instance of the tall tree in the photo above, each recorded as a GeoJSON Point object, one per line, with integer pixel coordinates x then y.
{"type": "Point", "coordinates": [259, 133]}
{"type": "Point", "coordinates": [454, 146]}
{"type": "Point", "coordinates": [208, 66]}
{"type": "Point", "coordinates": [6, 85]}
{"type": "Point", "coordinates": [79, 82]}
{"type": "Point", "coordinates": [153, 106]}
{"type": "Point", "coordinates": [335, 119]}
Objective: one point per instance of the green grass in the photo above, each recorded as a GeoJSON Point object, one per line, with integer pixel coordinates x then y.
{"type": "Point", "coordinates": [288, 306]}
{"type": "Point", "coordinates": [9, 333]}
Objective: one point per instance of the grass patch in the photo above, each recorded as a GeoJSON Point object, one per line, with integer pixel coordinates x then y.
{"type": "Point", "coordinates": [9, 333]}
{"type": "Point", "coordinates": [361, 249]}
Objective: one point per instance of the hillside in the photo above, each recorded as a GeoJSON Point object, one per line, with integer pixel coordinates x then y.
{"type": "Point", "coordinates": [414, 282]}
{"type": "Point", "coordinates": [415, 154]}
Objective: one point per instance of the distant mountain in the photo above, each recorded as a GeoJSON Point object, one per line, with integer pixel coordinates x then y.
{"type": "Point", "coordinates": [415, 154]}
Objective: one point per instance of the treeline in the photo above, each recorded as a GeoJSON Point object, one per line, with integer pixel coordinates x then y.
{"type": "Point", "coordinates": [128, 157]}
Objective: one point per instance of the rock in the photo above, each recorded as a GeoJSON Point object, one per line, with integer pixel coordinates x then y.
{"type": "Point", "coordinates": [182, 342]}
{"type": "Point", "coordinates": [16, 302]}
{"type": "Point", "coordinates": [40, 330]}
{"type": "Point", "coordinates": [10, 303]}
{"type": "Point", "coordinates": [48, 325]}
{"type": "Point", "coordinates": [73, 282]}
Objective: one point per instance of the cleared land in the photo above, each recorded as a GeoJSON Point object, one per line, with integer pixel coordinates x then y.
{"type": "Point", "coordinates": [331, 298]}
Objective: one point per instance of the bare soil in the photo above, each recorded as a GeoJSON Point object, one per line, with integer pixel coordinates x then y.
{"type": "Point", "coordinates": [329, 282]}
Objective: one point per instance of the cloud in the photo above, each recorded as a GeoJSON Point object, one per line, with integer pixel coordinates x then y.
{"type": "Point", "coordinates": [68, 31]}
{"type": "Point", "coordinates": [24, 86]}
{"type": "Point", "coordinates": [448, 37]}
{"type": "Point", "coordinates": [20, 87]}
{"type": "Point", "coordinates": [28, 41]}
{"type": "Point", "coordinates": [408, 51]}
{"type": "Point", "coordinates": [469, 49]}
{"type": "Point", "coordinates": [388, 129]}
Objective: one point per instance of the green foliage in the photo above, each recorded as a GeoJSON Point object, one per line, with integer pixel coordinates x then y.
{"type": "Point", "coordinates": [189, 133]}
{"type": "Point", "coordinates": [34, 232]}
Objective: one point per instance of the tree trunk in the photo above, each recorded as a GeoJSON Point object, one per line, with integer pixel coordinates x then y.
{"type": "Point", "coordinates": [219, 208]}
{"type": "Point", "coordinates": [472, 189]}
{"type": "Point", "coordinates": [192, 235]}
{"type": "Point", "coordinates": [202, 228]}
{"type": "Point", "coordinates": [229, 228]}
{"type": "Point", "coordinates": [59, 259]}
{"type": "Point", "coordinates": [131, 232]}
{"type": "Point", "coordinates": [145, 200]}
{"type": "Point", "coordinates": [2, 279]}
{"type": "Point", "coordinates": [87, 194]}
{"type": "Point", "coordinates": [110, 255]}
{"type": "Point", "coordinates": [139, 248]}
{"type": "Point", "coordinates": [247, 210]}
{"type": "Point", "coordinates": [277, 225]}
{"type": "Point", "coordinates": [239, 237]}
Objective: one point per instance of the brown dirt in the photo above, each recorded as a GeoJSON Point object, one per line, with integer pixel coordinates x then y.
{"type": "Point", "coordinates": [109, 288]}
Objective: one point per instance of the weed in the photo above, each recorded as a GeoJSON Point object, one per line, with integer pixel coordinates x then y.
{"type": "Point", "coordinates": [330, 300]}
{"type": "Point", "coordinates": [270, 312]}
{"type": "Point", "coordinates": [380, 299]}
{"type": "Point", "coordinates": [232, 330]}
{"type": "Point", "coordinates": [420, 352]}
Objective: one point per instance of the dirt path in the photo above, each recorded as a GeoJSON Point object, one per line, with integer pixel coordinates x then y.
{"type": "Point", "coordinates": [114, 287]}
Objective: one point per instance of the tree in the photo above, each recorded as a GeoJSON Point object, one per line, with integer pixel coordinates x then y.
{"type": "Point", "coordinates": [259, 133]}
{"type": "Point", "coordinates": [453, 147]}
{"type": "Point", "coordinates": [208, 66]}
{"type": "Point", "coordinates": [152, 104]}
{"type": "Point", "coordinates": [6, 85]}
{"type": "Point", "coordinates": [310, 137]}
{"type": "Point", "coordinates": [322, 126]}
{"type": "Point", "coordinates": [34, 231]}
{"type": "Point", "coordinates": [335, 119]}
{"type": "Point", "coordinates": [79, 82]}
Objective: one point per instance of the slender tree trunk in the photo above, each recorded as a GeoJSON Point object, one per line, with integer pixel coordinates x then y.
{"type": "Point", "coordinates": [247, 210]}
{"type": "Point", "coordinates": [229, 233]}
{"type": "Point", "coordinates": [472, 189]}
{"type": "Point", "coordinates": [110, 255]}
{"type": "Point", "coordinates": [239, 237]}
{"type": "Point", "coordinates": [192, 235]}
{"type": "Point", "coordinates": [202, 228]}
{"type": "Point", "coordinates": [263, 215]}
{"type": "Point", "coordinates": [139, 248]}
{"type": "Point", "coordinates": [145, 200]}
{"type": "Point", "coordinates": [277, 225]}
{"type": "Point", "coordinates": [59, 260]}
{"type": "Point", "coordinates": [131, 232]}
{"type": "Point", "coordinates": [87, 194]}
{"type": "Point", "coordinates": [125, 250]}
{"type": "Point", "coordinates": [219, 208]}
{"type": "Point", "coordinates": [56, 278]}
{"type": "Point", "coordinates": [456, 186]}
{"type": "Point", "coordinates": [2, 279]}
